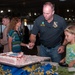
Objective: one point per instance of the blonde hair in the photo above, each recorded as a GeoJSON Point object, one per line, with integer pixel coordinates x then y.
{"type": "Point", "coordinates": [70, 29]}
{"type": "Point", "coordinates": [13, 23]}
{"type": "Point", "coordinates": [50, 4]}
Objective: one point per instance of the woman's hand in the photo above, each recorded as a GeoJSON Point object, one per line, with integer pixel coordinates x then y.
{"type": "Point", "coordinates": [31, 45]}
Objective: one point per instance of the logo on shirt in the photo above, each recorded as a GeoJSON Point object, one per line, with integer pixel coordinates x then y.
{"type": "Point", "coordinates": [42, 24]}
{"type": "Point", "coordinates": [55, 25]}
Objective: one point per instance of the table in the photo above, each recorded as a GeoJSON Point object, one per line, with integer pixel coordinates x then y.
{"type": "Point", "coordinates": [35, 69]}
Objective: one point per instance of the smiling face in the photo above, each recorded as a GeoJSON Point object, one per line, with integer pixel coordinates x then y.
{"type": "Point", "coordinates": [69, 37]}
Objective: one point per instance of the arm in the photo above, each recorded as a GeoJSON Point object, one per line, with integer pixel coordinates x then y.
{"type": "Point", "coordinates": [72, 63]}
{"type": "Point", "coordinates": [63, 60]}
{"type": "Point", "coordinates": [10, 43]}
{"type": "Point", "coordinates": [23, 44]}
{"type": "Point", "coordinates": [32, 38]}
{"type": "Point", "coordinates": [62, 47]}
{"type": "Point", "coordinates": [32, 41]}
{"type": "Point", "coordinates": [65, 42]}
{"type": "Point", "coordinates": [4, 40]}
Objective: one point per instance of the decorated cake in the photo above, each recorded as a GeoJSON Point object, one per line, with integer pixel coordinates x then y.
{"type": "Point", "coordinates": [12, 58]}
{"type": "Point", "coordinates": [19, 59]}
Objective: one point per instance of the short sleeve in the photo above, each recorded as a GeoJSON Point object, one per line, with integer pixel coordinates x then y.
{"type": "Point", "coordinates": [10, 34]}
{"type": "Point", "coordinates": [35, 28]}
{"type": "Point", "coordinates": [64, 24]}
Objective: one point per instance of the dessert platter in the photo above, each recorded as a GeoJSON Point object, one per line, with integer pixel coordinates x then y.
{"type": "Point", "coordinates": [19, 59]}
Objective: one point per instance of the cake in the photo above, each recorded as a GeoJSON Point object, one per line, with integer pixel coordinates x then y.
{"type": "Point", "coordinates": [12, 58]}
{"type": "Point", "coordinates": [19, 59]}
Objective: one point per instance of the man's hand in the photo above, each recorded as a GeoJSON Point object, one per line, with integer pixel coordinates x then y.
{"type": "Point", "coordinates": [61, 49]}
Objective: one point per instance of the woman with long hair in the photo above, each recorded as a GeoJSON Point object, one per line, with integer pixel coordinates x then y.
{"type": "Point", "coordinates": [14, 39]}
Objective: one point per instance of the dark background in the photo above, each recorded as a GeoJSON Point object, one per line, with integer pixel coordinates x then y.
{"type": "Point", "coordinates": [23, 7]}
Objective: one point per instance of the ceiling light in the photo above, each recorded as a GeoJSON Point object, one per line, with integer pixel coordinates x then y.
{"type": "Point", "coordinates": [1, 11]}
{"type": "Point", "coordinates": [9, 10]}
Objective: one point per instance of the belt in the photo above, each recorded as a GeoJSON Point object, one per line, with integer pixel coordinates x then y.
{"type": "Point", "coordinates": [51, 47]}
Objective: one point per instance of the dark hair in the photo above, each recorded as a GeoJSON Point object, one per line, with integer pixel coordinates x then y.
{"type": "Point", "coordinates": [6, 16]}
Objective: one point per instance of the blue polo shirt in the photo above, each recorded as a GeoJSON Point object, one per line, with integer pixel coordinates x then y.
{"type": "Point", "coordinates": [50, 33]}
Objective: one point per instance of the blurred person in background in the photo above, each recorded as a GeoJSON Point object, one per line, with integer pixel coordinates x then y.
{"type": "Point", "coordinates": [4, 40]}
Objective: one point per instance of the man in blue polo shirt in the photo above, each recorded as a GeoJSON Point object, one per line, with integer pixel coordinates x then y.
{"type": "Point", "coordinates": [51, 28]}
